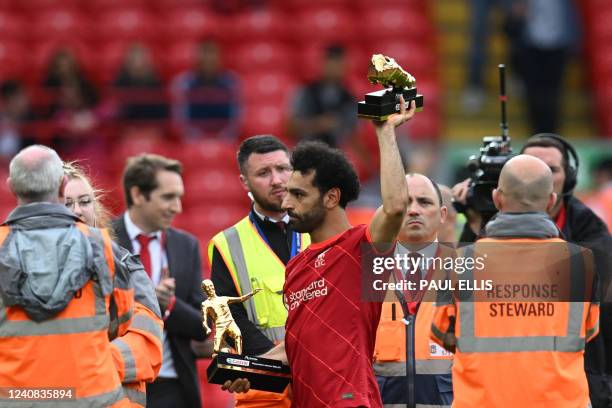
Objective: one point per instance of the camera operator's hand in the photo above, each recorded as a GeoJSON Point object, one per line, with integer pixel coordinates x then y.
{"type": "Point", "coordinates": [460, 191]}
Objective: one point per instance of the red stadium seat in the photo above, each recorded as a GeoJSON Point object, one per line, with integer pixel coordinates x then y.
{"type": "Point", "coordinates": [399, 23]}
{"type": "Point", "coordinates": [36, 6]}
{"type": "Point", "coordinates": [430, 89]}
{"type": "Point", "coordinates": [134, 146]}
{"type": "Point", "coordinates": [425, 125]}
{"type": "Point", "coordinates": [297, 5]}
{"type": "Point", "coordinates": [191, 24]}
{"type": "Point", "coordinates": [12, 26]}
{"type": "Point", "coordinates": [6, 208]}
{"type": "Point", "coordinates": [602, 29]}
{"type": "Point", "coordinates": [359, 86]}
{"type": "Point", "coordinates": [216, 154]}
{"type": "Point", "coordinates": [205, 220]}
{"type": "Point", "coordinates": [324, 25]}
{"type": "Point", "coordinates": [108, 60]}
{"type": "Point", "coordinates": [12, 61]}
{"type": "Point", "coordinates": [593, 8]}
{"type": "Point", "coordinates": [268, 87]}
{"type": "Point", "coordinates": [5, 192]}
{"type": "Point", "coordinates": [264, 118]}
{"type": "Point", "coordinates": [8, 6]}
{"type": "Point", "coordinates": [165, 6]}
{"type": "Point", "coordinates": [259, 56]}
{"type": "Point", "coordinates": [263, 24]}
{"type": "Point", "coordinates": [212, 185]}
{"type": "Point", "coordinates": [603, 98]}
{"type": "Point", "coordinates": [127, 25]}
{"type": "Point", "coordinates": [367, 5]}
{"type": "Point", "coordinates": [602, 61]}
{"type": "Point", "coordinates": [101, 6]}
{"type": "Point", "coordinates": [177, 58]}
{"type": "Point", "coordinates": [311, 59]}
{"type": "Point", "coordinates": [59, 24]}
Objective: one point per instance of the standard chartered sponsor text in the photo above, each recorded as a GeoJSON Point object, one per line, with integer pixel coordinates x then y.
{"type": "Point", "coordinates": [314, 290]}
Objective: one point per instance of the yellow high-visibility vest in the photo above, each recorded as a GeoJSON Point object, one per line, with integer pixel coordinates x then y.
{"type": "Point", "coordinates": [253, 264]}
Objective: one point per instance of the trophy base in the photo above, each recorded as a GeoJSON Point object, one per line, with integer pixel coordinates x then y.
{"type": "Point", "coordinates": [263, 374]}
{"type": "Point", "coordinates": [380, 105]}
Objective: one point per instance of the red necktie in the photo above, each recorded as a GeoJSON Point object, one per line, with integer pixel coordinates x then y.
{"type": "Point", "coordinates": [145, 255]}
{"type": "Point", "coordinates": [282, 225]}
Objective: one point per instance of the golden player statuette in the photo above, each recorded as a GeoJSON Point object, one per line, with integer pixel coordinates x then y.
{"type": "Point", "coordinates": [263, 374]}
{"type": "Point", "coordinates": [379, 105]}
{"type": "Point", "coordinates": [217, 308]}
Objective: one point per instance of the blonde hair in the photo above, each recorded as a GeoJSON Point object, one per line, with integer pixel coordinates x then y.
{"type": "Point", "coordinates": [74, 171]}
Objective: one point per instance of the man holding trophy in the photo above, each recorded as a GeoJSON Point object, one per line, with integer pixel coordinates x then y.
{"type": "Point", "coordinates": [330, 330]}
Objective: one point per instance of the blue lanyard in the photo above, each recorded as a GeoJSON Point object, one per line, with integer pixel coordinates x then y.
{"type": "Point", "coordinates": [296, 238]}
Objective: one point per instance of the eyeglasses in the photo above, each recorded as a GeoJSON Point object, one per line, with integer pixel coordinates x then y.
{"type": "Point", "coordinates": [83, 203]}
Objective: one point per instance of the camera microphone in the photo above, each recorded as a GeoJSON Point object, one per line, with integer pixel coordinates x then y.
{"type": "Point", "coordinates": [503, 98]}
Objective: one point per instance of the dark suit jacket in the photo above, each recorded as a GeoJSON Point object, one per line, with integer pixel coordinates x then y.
{"type": "Point", "coordinates": [185, 321]}
{"type": "Point", "coordinates": [585, 228]}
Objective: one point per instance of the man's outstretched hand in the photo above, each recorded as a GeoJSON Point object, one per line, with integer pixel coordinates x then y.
{"type": "Point", "coordinates": [397, 119]}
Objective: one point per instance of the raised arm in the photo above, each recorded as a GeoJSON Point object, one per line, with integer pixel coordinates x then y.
{"type": "Point", "coordinates": [388, 219]}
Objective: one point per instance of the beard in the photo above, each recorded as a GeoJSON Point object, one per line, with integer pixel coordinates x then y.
{"type": "Point", "coordinates": [308, 222]}
{"type": "Point", "coordinates": [266, 204]}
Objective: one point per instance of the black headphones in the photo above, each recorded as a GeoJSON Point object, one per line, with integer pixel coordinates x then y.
{"type": "Point", "coordinates": [569, 155]}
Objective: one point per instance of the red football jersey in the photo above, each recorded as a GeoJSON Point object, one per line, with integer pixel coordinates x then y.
{"type": "Point", "coordinates": [330, 332]}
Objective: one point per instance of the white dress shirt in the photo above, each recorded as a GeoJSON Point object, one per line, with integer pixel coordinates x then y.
{"type": "Point", "coordinates": [159, 260]}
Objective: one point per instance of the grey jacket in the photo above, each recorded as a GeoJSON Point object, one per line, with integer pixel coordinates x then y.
{"type": "Point", "coordinates": [46, 259]}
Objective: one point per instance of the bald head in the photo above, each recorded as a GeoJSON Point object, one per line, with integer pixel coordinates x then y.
{"type": "Point", "coordinates": [525, 184]}
{"type": "Point", "coordinates": [36, 174]}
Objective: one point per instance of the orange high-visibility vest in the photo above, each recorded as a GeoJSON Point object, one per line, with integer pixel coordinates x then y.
{"type": "Point", "coordinates": [72, 349]}
{"type": "Point", "coordinates": [513, 353]}
{"type": "Point", "coordinates": [136, 392]}
{"type": "Point", "coordinates": [406, 357]}
{"type": "Point", "coordinates": [137, 354]}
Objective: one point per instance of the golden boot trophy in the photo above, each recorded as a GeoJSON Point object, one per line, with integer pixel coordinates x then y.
{"type": "Point", "coordinates": [263, 374]}
{"type": "Point", "coordinates": [379, 105]}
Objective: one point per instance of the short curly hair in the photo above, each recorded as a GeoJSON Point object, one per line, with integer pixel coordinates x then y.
{"type": "Point", "coordinates": [332, 169]}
